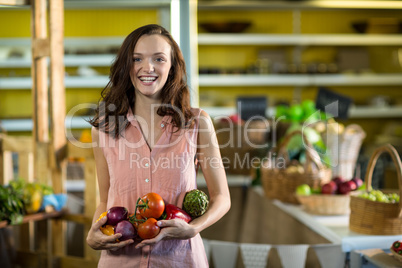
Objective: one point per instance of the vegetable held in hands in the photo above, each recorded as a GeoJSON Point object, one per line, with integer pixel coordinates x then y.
{"type": "Point", "coordinates": [116, 215]}
{"type": "Point", "coordinates": [150, 205]}
{"type": "Point", "coordinates": [173, 212]}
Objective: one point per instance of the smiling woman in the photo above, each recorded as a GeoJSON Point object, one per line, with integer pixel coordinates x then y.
{"type": "Point", "coordinates": [149, 139]}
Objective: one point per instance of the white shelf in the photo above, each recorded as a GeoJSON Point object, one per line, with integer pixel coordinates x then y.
{"type": "Point", "coordinates": [69, 61]}
{"type": "Point", "coordinates": [308, 4]}
{"type": "Point", "coordinates": [300, 80]}
{"type": "Point", "coordinates": [79, 122]}
{"type": "Point", "coordinates": [23, 83]}
{"type": "Point", "coordinates": [354, 112]}
{"type": "Point", "coordinates": [20, 125]}
{"type": "Point", "coordinates": [301, 39]}
{"type": "Point", "coordinates": [249, 80]}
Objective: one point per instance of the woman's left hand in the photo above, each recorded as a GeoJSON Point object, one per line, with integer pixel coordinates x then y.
{"type": "Point", "coordinates": [170, 229]}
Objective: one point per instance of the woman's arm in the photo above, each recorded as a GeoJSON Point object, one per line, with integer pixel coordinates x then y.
{"type": "Point", "coordinates": [96, 239]}
{"type": "Point", "coordinates": [210, 160]}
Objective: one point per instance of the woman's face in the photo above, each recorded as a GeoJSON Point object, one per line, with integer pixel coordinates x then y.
{"type": "Point", "coordinates": [152, 62]}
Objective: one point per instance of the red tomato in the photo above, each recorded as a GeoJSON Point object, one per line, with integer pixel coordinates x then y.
{"type": "Point", "coordinates": [151, 205]}
{"type": "Point", "coordinates": [148, 229]}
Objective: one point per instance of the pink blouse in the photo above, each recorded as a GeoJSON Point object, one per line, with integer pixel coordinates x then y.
{"type": "Point", "coordinates": [169, 170]}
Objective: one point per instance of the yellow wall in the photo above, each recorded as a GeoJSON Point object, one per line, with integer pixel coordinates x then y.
{"type": "Point", "coordinates": [78, 23]}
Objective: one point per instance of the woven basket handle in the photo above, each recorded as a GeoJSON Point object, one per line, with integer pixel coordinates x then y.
{"type": "Point", "coordinates": [397, 161]}
{"type": "Point", "coordinates": [312, 155]}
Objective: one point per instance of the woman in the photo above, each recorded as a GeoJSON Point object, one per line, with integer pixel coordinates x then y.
{"type": "Point", "coordinates": [147, 138]}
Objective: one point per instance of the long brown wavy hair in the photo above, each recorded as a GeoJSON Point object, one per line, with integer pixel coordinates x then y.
{"type": "Point", "coordinates": [119, 94]}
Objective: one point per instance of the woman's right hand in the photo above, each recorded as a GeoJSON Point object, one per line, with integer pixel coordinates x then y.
{"type": "Point", "coordinates": [98, 240]}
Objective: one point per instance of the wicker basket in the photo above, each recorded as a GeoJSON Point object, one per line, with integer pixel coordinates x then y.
{"type": "Point", "coordinates": [376, 218]}
{"type": "Point", "coordinates": [279, 183]}
{"type": "Point", "coordinates": [323, 204]}
{"type": "Point", "coordinates": [344, 150]}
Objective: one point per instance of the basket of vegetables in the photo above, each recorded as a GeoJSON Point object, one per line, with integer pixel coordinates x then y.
{"type": "Point", "coordinates": [280, 176]}
{"type": "Point", "coordinates": [377, 212]}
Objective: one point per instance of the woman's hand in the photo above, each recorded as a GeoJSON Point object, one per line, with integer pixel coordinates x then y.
{"type": "Point", "coordinates": [170, 229]}
{"type": "Point", "coordinates": [98, 240]}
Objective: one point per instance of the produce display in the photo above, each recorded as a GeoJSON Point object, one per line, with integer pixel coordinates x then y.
{"type": "Point", "coordinates": [20, 198]}
{"type": "Point", "coordinates": [379, 196]}
{"type": "Point", "coordinates": [337, 185]}
{"type": "Point", "coordinates": [149, 209]}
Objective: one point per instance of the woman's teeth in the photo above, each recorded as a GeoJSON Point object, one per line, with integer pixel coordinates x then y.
{"type": "Point", "coordinates": [147, 79]}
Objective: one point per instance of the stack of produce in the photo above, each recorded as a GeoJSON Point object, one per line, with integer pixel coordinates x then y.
{"type": "Point", "coordinates": [149, 209]}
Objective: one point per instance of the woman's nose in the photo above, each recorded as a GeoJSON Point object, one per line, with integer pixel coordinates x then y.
{"type": "Point", "coordinates": [148, 66]}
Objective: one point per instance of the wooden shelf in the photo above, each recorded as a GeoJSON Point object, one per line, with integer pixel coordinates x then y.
{"type": "Point", "coordinates": [37, 217]}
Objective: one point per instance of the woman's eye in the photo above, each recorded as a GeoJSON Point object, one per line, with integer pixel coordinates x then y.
{"type": "Point", "coordinates": [136, 59]}
{"type": "Point", "coordinates": [160, 59]}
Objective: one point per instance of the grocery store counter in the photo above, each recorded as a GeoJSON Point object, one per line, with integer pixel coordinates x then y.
{"type": "Point", "coordinates": [333, 229]}
{"type": "Point", "coordinates": [255, 219]}
{"type": "Point", "coordinates": [336, 229]}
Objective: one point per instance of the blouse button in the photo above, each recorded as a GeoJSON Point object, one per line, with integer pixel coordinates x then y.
{"type": "Point", "coordinates": [146, 180]}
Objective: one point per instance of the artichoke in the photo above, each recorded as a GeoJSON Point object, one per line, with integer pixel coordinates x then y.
{"type": "Point", "coordinates": [195, 203]}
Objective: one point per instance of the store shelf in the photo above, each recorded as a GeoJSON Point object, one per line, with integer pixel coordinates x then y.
{"type": "Point", "coordinates": [38, 217]}
{"type": "Point", "coordinates": [69, 61]}
{"type": "Point", "coordinates": [354, 112]}
{"type": "Point", "coordinates": [299, 80]}
{"type": "Point", "coordinates": [25, 124]}
{"type": "Point", "coordinates": [23, 83]}
{"type": "Point", "coordinates": [301, 39]}
{"type": "Point", "coordinates": [309, 4]}
{"type": "Point", "coordinates": [249, 80]}
{"type": "Point", "coordinates": [81, 122]}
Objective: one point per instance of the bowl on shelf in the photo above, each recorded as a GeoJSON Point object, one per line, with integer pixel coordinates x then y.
{"type": "Point", "coordinates": [226, 26]}
{"type": "Point", "coordinates": [378, 26]}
